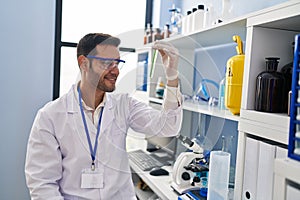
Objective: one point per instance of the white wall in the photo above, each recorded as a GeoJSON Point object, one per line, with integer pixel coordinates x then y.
{"type": "Point", "coordinates": [27, 49]}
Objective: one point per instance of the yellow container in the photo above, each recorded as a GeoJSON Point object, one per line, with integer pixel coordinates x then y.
{"type": "Point", "coordinates": [234, 79]}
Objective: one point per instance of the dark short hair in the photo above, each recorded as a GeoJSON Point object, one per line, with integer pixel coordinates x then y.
{"type": "Point", "coordinates": [87, 44]}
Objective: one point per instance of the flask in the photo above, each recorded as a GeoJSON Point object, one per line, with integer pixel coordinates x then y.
{"type": "Point", "coordinates": [159, 91]}
{"type": "Point", "coordinates": [199, 18]}
{"type": "Point", "coordinates": [269, 92]}
{"type": "Point", "coordinates": [176, 18]}
{"type": "Point", "coordinates": [234, 78]}
{"type": "Point", "coordinates": [226, 10]}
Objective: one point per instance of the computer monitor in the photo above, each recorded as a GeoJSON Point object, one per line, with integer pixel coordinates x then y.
{"type": "Point", "coordinates": [161, 144]}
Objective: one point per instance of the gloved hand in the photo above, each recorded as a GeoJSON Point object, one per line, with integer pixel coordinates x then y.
{"type": "Point", "coordinates": [170, 57]}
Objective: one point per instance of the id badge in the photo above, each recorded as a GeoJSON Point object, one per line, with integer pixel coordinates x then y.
{"type": "Point", "coordinates": [92, 178]}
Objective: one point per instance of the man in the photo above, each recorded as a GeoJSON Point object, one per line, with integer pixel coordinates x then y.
{"type": "Point", "coordinates": [76, 148]}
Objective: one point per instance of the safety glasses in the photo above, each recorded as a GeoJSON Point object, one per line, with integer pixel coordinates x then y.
{"type": "Point", "coordinates": [108, 63]}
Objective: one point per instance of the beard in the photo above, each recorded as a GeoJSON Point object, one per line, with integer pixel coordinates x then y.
{"type": "Point", "coordinates": [105, 83]}
{"type": "Point", "coordinates": [104, 87]}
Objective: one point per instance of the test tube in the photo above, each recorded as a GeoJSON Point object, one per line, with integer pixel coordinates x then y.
{"type": "Point", "coordinates": [153, 63]}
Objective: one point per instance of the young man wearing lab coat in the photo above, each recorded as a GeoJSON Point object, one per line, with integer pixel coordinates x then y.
{"type": "Point", "coordinates": [76, 148]}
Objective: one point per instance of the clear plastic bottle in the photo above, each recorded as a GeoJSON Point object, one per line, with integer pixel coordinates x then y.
{"type": "Point", "coordinates": [221, 103]}
{"type": "Point", "coordinates": [185, 23]}
{"type": "Point", "coordinates": [189, 21]}
{"type": "Point", "coordinates": [192, 20]}
{"type": "Point", "coordinates": [206, 20]}
{"type": "Point", "coordinates": [199, 18]}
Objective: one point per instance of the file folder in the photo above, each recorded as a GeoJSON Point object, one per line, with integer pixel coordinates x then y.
{"type": "Point", "coordinates": [264, 189]}
{"type": "Point", "coordinates": [281, 152]}
{"type": "Point", "coordinates": [292, 193]}
{"type": "Point", "coordinates": [250, 169]}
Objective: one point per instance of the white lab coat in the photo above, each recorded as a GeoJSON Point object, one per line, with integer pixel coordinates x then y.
{"type": "Point", "coordinates": [58, 150]}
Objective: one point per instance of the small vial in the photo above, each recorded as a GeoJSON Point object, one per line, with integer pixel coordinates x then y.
{"type": "Point", "coordinates": [298, 113]}
{"type": "Point", "coordinates": [297, 147]}
{"type": "Point", "coordinates": [298, 127]}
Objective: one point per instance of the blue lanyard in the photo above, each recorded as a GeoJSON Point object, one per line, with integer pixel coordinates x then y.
{"type": "Point", "coordinates": [92, 151]}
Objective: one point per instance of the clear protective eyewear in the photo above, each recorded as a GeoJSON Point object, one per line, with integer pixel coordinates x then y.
{"type": "Point", "coordinates": [107, 63]}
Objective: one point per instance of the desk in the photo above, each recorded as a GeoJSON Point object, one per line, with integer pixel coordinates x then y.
{"type": "Point", "coordinates": [160, 185]}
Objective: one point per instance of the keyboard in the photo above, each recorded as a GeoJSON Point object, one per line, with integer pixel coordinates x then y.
{"type": "Point", "coordinates": [143, 160]}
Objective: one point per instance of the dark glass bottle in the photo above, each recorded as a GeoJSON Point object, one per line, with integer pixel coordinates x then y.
{"type": "Point", "coordinates": [287, 71]}
{"type": "Point", "coordinates": [270, 88]}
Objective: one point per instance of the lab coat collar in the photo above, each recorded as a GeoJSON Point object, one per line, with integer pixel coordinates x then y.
{"type": "Point", "coordinates": [73, 107]}
{"type": "Point", "coordinates": [73, 103]}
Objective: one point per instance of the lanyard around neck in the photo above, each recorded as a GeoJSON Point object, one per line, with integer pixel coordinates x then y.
{"type": "Point", "coordinates": [92, 151]}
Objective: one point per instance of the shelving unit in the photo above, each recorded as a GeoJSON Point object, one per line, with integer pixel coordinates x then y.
{"type": "Point", "coordinates": [268, 32]}
{"type": "Point", "coordinates": [285, 169]}
{"type": "Point", "coordinates": [266, 125]}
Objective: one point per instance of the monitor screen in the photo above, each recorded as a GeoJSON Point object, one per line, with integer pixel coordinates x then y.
{"type": "Point", "coordinates": [161, 144]}
{"type": "Point", "coordinates": [167, 144]}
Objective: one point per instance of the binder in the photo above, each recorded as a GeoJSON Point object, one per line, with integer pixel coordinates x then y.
{"type": "Point", "coordinates": [264, 189]}
{"type": "Point", "coordinates": [292, 193]}
{"type": "Point", "coordinates": [281, 152]}
{"type": "Point", "coordinates": [250, 169]}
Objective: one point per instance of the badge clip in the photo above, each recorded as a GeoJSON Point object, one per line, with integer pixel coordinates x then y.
{"type": "Point", "coordinates": [93, 166]}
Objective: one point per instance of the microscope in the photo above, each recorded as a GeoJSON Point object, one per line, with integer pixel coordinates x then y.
{"type": "Point", "coordinates": [187, 165]}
